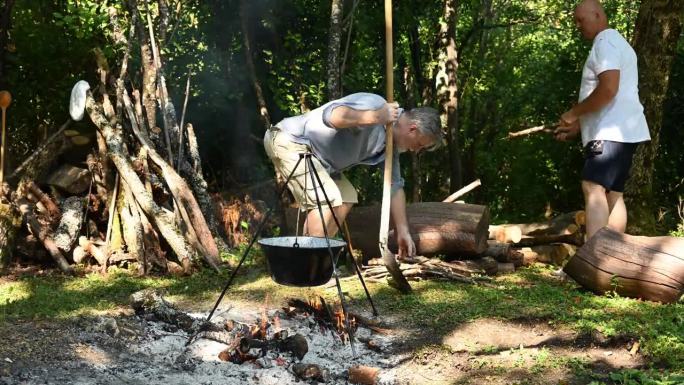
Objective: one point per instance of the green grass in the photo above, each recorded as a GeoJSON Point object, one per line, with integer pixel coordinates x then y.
{"type": "Point", "coordinates": [440, 307]}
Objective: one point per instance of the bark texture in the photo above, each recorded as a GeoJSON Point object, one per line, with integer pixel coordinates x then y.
{"type": "Point", "coordinates": [658, 29]}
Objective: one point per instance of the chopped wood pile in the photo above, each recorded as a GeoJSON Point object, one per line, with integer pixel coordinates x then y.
{"type": "Point", "coordinates": [509, 247]}
{"type": "Point", "coordinates": [139, 196]}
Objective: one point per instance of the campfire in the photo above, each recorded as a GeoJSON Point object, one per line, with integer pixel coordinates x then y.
{"type": "Point", "coordinates": [303, 340]}
{"type": "Point", "coordinates": [267, 340]}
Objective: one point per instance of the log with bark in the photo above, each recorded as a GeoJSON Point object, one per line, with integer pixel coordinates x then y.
{"type": "Point", "coordinates": [436, 228]}
{"type": "Point", "coordinates": [504, 253]}
{"type": "Point", "coordinates": [70, 223]}
{"type": "Point", "coordinates": [651, 268]}
{"type": "Point", "coordinates": [42, 232]}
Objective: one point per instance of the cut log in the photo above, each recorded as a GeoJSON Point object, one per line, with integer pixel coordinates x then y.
{"type": "Point", "coordinates": [43, 234]}
{"type": "Point", "coordinates": [506, 268]}
{"type": "Point", "coordinates": [79, 255]}
{"type": "Point", "coordinates": [554, 254]}
{"type": "Point", "coordinates": [132, 228]}
{"type": "Point", "coordinates": [70, 223]}
{"type": "Point", "coordinates": [651, 268]}
{"type": "Point", "coordinates": [576, 239]}
{"type": "Point", "coordinates": [96, 252]}
{"type": "Point", "coordinates": [436, 228]}
{"type": "Point", "coordinates": [504, 253]}
{"type": "Point", "coordinates": [505, 233]}
{"type": "Point", "coordinates": [53, 211]}
{"type": "Point", "coordinates": [487, 264]}
{"type": "Point", "coordinates": [566, 223]}
{"type": "Point", "coordinates": [74, 180]}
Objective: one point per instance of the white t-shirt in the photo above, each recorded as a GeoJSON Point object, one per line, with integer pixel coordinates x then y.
{"type": "Point", "coordinates": [621, 120]}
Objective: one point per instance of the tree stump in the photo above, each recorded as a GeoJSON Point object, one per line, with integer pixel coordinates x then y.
{"type": "Point", "coordinates": [651, 268]}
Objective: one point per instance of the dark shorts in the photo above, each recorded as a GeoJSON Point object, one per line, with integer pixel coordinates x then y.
{"type": "Point", "coordinates": [610, 168]}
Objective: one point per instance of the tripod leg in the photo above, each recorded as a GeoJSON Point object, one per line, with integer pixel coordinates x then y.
{"type": "Point", "coordinates": [251, 243]}
{"type": "Point", "coordinates": [347, 240]}
{"type": "Point", "coordinates": [332, 257]}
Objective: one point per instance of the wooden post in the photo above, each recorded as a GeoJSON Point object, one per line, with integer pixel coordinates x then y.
{"type": "Point", "coordinates": [387, 256]}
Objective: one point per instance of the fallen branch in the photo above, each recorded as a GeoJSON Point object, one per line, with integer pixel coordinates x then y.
{"type": "Point", "coordinates": [544, 129]}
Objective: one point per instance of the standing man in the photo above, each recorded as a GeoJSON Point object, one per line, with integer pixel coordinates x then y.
{"type": "Point", "coordinates": [609, 116]}
{"type": "Point", "coordinates": [341, 134]}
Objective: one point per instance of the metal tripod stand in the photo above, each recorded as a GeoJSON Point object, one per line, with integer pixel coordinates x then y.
{"type": "Point", "coordinates": [309, 165]}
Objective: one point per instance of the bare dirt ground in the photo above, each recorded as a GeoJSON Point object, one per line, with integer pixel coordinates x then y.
{"type": "Point", "coordinates": [106, 350]}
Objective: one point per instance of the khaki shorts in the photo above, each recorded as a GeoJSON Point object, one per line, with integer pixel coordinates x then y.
{"type": "Point", "coordinates": [284, 154]}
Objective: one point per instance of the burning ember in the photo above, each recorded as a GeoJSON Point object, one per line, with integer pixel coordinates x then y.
{"type": "Point", "coordinates": [251, 342]}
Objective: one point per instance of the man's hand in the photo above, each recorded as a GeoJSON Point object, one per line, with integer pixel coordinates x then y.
{"type": "Point", "coordinates": [406, 246]}
{"type": "Point", "coordinates": [389, 113]}
{"type": "Point", "coordinates": [567, 132]}
{"type": "Point", "coordinates": [568, 118]}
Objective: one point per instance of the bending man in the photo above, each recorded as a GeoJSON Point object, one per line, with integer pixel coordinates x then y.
{"type": "Point", "coordinates": [344, 133]}
{"type": "Point", "coordinates": [609, 116]}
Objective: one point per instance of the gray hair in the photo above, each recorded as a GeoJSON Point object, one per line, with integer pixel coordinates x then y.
{"type": "Point", "coordinates": [428, 122]}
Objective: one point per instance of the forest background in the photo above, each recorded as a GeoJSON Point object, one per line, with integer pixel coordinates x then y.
{"type": "Point", "coordinates": [490, 66]}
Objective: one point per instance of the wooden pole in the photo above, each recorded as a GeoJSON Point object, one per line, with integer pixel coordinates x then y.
{"type": "Point", "coordinates": [5, 101]}
{"type": "Point", "coordinates": [388, 257]}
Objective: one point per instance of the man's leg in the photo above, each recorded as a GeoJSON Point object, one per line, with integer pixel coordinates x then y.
{"type": "Point", "coordinates": [617, 220]}
{"type": "Point", "coordinates": [348, 196]}
{"type": "Point", "coordinates": [596, 206]}
{"type": "Point", "coordinates": [313, 226]}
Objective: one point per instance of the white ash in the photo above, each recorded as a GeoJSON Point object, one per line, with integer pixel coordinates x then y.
{"type": "Point", "coordinates": [159, 356]}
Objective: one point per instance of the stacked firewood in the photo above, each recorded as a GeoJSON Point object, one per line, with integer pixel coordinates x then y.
{"type": "Point", "coordinates": [142, 197]}
{"type": "Point", "coordinates": [509, 247]}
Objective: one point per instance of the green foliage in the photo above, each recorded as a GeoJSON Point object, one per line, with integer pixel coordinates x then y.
{"type": "Point", "coordinates": [639, 377]}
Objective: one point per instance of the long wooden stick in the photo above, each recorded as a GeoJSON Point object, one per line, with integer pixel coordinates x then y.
{"type": "Point", "coordinates": [463, 191]}
{"type": "Point", "coordinates": [387, 256]}
{"type": "Point", "coordinates": [529, 131]}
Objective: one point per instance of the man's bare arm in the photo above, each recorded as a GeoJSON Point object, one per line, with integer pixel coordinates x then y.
{"type": "Point", "coordinates": [609, 84]}
{"type": "Point", "coordinates": [347, 117]}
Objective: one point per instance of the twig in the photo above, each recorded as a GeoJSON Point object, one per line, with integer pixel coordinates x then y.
{"type": "Point", "coordinates": [182, 121]}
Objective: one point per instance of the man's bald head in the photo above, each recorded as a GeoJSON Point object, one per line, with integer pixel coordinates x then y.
{"type": "Point", "coordinates": [590, 18]}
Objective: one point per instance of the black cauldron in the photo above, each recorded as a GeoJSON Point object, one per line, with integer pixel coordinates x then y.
{"type": "Point", "coordinates": [300, 261]}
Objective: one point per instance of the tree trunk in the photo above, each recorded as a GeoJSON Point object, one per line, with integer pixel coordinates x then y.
{"type": "Point", "coordinates": [447, 90]}
{"type": "Point", "coordinates": [658, 29]}
{"type": "Point", "coordinates": [251, 69]}
{"type": "Point", "coordinates": [199, 186]}
{"type": "Point", "coordinates": [132, 228]}
{"type": "Point", "coordinates": [334, 43]}
{"type": "Point", "coordinates": [149, 79]}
